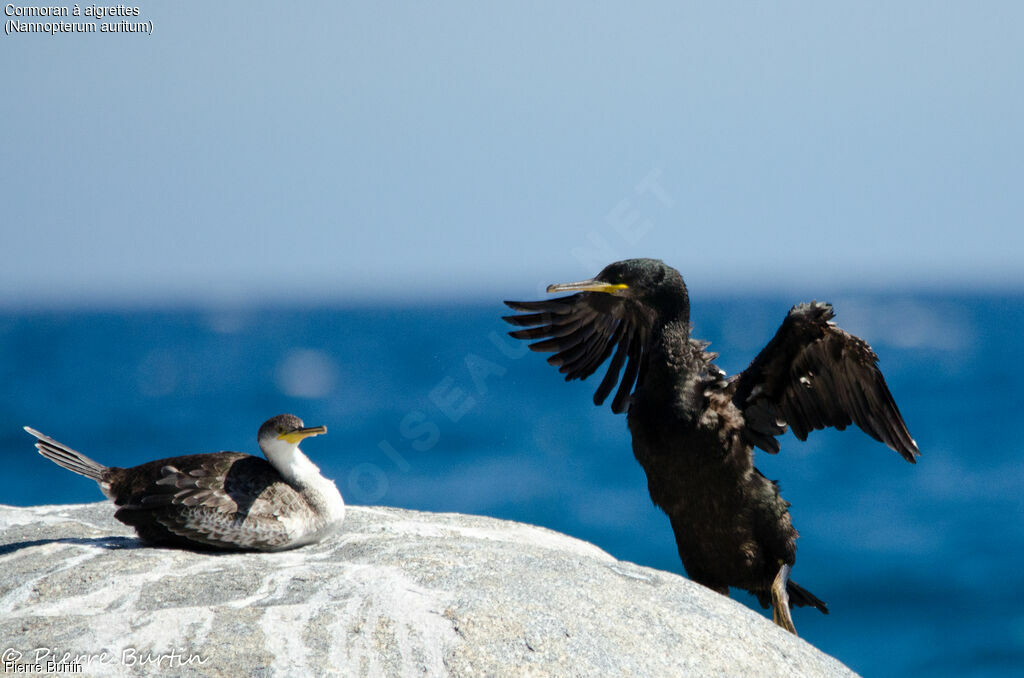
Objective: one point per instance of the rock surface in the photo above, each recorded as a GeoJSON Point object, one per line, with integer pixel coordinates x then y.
{"type": "Point", "coordinates": [398, 593]}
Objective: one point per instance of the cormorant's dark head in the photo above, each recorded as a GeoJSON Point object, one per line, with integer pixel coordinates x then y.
{"type": "Point", "coordinates": [650, 282]}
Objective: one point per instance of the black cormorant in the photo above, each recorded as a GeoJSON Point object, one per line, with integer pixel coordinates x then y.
{"type": "Point", "coordinates": [224, 500]}
{"type": "Point", "coordinates": [694, 429]}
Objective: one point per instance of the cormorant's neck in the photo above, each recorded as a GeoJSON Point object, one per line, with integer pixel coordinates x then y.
{"type": "Point", "coordinates": [672, 322]}
{"type": "Point", "coordinates": [670, 344]}
{"type": "Point", "coordinates": [298, 471]}
{"type": "Point", "coordinates": [671, 332]}
{"type": "Point", "coordinates": [294, 466]}
{"type": "Point", "coordinates": [673, 305]}
{"type": "Point", "coordinates": [675, 372]}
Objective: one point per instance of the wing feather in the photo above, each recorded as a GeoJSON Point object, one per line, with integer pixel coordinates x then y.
{"type": "Point", "coordinates": [583, 331]}
{"type": "Point", "coordinates": [621, 340]}
{"type": "Point", "coordinates": [813, 375]}
{"type": "Point", "coordinates": [597, 352]}
{"type": "Point", "coordinates": [621, 401]}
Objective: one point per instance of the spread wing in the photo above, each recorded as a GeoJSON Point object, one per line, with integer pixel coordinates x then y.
{"type": "Point", "coordinates": [812, 375]}
{"type": "Point", "coordinates": [224, 500]}
{"type": "Point", "coordinates": [583, 330]}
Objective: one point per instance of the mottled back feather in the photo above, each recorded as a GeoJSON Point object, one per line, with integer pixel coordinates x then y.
{"type": "Point", "coordinates": [225, 500]}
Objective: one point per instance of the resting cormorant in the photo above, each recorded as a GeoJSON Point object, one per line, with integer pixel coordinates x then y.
{"type": "Point", "coordinates": [694, 429]}
{"type": "Point", "coordinates": [224, 500]}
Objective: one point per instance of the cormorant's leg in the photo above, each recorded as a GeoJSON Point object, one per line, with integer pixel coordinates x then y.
{"type": "Point", "coordinates": [780, 600]}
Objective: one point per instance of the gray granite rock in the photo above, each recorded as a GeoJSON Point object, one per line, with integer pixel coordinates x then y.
{"type": "Point", "coordinates": [398, 593]}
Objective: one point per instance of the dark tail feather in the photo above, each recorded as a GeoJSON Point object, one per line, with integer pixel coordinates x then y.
{"type": "Point", "coordinates": [62, 455]}
{"type": "Point", "coordinates": [801, 597]}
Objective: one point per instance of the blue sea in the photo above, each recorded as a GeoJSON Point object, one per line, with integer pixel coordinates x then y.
{"type": "Point", "coordinates": [435, 408]}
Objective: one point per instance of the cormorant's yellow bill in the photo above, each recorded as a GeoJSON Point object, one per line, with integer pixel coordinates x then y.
{"type": "Point", "coordinates": [591, 285]}
{"type": "Point", "coordinates": [296, 436]}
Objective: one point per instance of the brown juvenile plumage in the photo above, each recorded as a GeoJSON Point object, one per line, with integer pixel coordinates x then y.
{"type": "Point", "coordinates": [224, 500]}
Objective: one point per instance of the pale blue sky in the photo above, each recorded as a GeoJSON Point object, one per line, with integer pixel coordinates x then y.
{"type": "Point", "coordinates": [350, 151]}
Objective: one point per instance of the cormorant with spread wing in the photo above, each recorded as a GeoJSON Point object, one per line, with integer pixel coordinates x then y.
{"type": "Point", "coordinates": [694, 429]}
